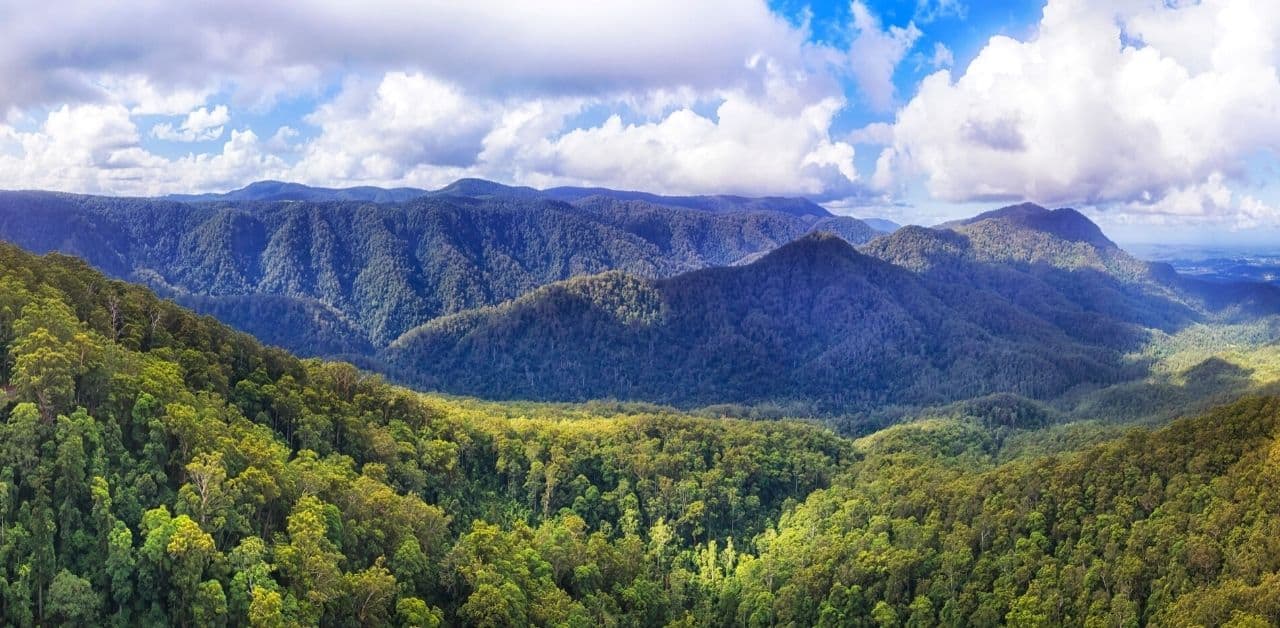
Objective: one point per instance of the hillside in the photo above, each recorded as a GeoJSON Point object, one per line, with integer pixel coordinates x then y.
{"type": "Point", "coordinates": [161, 469]}
{"type": "Point", "coordinates": [1164, 528]}
{"type": "Point", "coordinates": [1024, 301]}
{"type": "Point", "coordinates": [480, 188]}
{"type": "Point", "coordinates": [815, 321]}
{"type": "Point", "coordinates": [360, 274]}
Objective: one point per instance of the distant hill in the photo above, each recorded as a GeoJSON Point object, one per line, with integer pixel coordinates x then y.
{"type": "Point", "coordinates": [480, 188]}
{"type": "Point", "coordinates": [361, 273]}
{"type": "Point", "coordinates": [718, 203]}
{"type": "Point", "coordinates": [281, 191]}
{"type": "Point", "coordinates": [882, 225]}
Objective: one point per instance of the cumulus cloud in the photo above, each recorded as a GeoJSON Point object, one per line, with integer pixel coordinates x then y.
{"type": "Point", "coordinates": [1130, 103]}
{"type": "Point", "coordinates": [266, 49]}
{"type": "Point", "coordinates": [201, 125]}
{"type": "Point", "coordinates": [81, 147]}
{"type": "Point", "coordinates": [1209, 202]}
{"type": "Point", "coordinates": [412, 129]}
{"type": "Point", "coordinates": [407, 120]}
{"type": "Point", "coordinates": [633, 94]}
{"type": "Point", "coordinates": [875, 54]}
{"type": "Point", "coordinates": [746, 148]}
{"type": "Point", "coordinates": [97, 149]}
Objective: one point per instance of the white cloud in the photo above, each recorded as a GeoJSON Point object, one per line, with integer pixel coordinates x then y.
{"type": "Point", "coordinates": [931, 10]}
{"type": "Point", "coordinates": [242, 159]}
{"type": "Point", "coordinates": [747, 148]}
{"type": "Point", "coordinates": [942, 57]}
{"type": "Point", "coordinates": [201, 125]}
{"type": "Point", "coordinates": [265, 50]}
{"type": "Point", "coordinates": [97, 149]}
{"type": "Point", "coordinates": [383, 133]}
{"type": "Point", "coordinates": [875, 54]}
{"type": "Point", "coordinates": [1074, 116]}
{"type": "Point", "coordinates": [282, 141]}
{"type": "Point", "coordinates": [80, 147]}
{"type": "Point", "coordinates": [412, 129]}
{"type": "Point", "coordinates": [1204, 203]}
{"type": "Point", "coordinates": [143, 97]}
{"type": "Point", "coordinates": [426, 96]}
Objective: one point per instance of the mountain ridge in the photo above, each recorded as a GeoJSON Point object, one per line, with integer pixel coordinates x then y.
{"type": "Point", "coordinates": [385, 267]}
{"type": "Point", "coordinates": [1024, 300]}
{"type": "Point", "coordinates": [271, 190]}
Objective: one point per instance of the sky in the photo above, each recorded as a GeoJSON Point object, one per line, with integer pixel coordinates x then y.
{"type": "Point", "coordinates": [1158, 118]}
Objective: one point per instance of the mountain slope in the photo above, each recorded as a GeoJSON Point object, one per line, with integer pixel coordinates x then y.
{"type": "Point", "coordinates": [384, 268]}
{"type": "Point", "coordinates": [159, 468]}
{"type": "Point", "coordinates": [815, 321]}
{"type": "Point", "coordinates": [480, 188]}
{"type": "Point", "coordinates": [1164, 528]}
{"type": "Point", "coordinates": [1023, 300]}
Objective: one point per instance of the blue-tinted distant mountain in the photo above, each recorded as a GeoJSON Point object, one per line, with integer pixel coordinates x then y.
{"type": "Point", "coordinates": [882, 225]}
{"type": "Point", "coordinates": [282, 191]}
{"type": "Point", "coordinates": [483, 189]}
{"type": "Point", "coordinates": [1064, 223]}
{"type": "Point", "coordinates": [715, 203]}
{"type": "Point", "coordinates": [718, 203]}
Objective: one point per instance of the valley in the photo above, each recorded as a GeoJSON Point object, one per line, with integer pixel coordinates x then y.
{"type": "Point", "coordinates": [745, 419]}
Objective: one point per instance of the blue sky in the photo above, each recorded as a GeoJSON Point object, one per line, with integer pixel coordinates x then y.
{"type": "Point", "coordinates": [1158, 118]}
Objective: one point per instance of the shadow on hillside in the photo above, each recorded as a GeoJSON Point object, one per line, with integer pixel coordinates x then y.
{"type": "Point", "coordinates": [1210, 383]}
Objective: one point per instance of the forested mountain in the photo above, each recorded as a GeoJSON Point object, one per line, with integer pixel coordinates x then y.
{"type": "Point", "coordinates": [352, 276]}
{"type": "Point", "coordinates": [159, 468]}
{"type": "Point", "coordinates": [1171, 528]}
{"type": "Point", "coordinates": [480, 188]}
{"type": "Point", "coordinates": [1022, 300]}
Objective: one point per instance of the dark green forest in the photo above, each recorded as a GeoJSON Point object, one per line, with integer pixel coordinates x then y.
{"type": "Point", "coordinates": [158, 468]}
{"type": "Point", "coordinates": [1022, 300]}
{"type": "Point", "coordinates": [350, 276]}
{"type": "Point", "coordinates": [992, 443]}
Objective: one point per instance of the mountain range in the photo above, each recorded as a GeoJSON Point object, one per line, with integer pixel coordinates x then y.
{"type": "Point", "coordinates": [1023, 300]}
{"type": "Point", "coordinates": [350, 276]}
{"type": "Point", "coordinates": [480, 188]}
{"type": "Point", "coordinates": [162, 469]}
{"type": "Point", "coordinates": [570, 294]}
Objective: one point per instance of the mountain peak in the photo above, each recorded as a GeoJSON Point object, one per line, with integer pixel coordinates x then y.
{"type": "Point", "coordinates": [1065, 223]}
{"type": "Point", "coordinates": [814, 247]}
{"type": "Point", "coordinates": [473, 187]}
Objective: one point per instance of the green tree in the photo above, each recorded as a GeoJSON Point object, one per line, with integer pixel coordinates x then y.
{"type": "Point", "coordinates": [72, 600]}
{"type": "Point", "coordinates": [309, 561]}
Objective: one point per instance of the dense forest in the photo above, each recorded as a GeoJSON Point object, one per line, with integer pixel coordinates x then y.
{"type": "Point", "coordinates": [1022, 300]}
{"type": "Point", "coordinates": [572, 294]}
{"type": "Point", "coordinates": [480, 188]}
{"type": "Point", "coordinates": [352, 275]}
{"type": "Point", "coordinates": [159, 468]}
